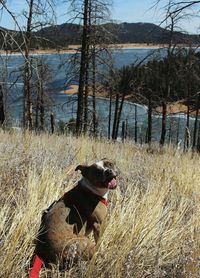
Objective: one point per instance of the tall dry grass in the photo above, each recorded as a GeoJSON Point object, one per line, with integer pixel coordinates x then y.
{"type": "Point", "coordinates": [153, 225]}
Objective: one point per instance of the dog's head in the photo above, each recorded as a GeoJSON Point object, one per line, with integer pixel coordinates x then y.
{"type": "Point", "coordinates": [100, 174]}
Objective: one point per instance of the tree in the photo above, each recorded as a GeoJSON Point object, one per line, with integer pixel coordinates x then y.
{"type": "Point", "coordinates": [92, 13]}
{"type": "Point", "coordinates": [42, 77]}
{"type": "Point", "coordinates": [167, 91]}
{"type": "Point", "coordinates": [177, 7]}
{"type": "Point", "coordinates": [124, 85]}
{"type": "Point", "coordinates": [8, 40]}
{"type": "Point", "coordinates": [148, 90]}
{"type": "Point", "coordinates": [83, 69]}
{"type": "Point", "coordinates": [39, 14]}
{"type": "Point", "coordinates": [28, 106]}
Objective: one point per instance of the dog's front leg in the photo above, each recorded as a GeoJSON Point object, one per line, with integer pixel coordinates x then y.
{"type": "Point", "coordinates": [79, 248]}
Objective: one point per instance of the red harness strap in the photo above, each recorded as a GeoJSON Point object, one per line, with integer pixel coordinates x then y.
{"type": "Point", "coordinates": [104, 201]}
{"type": "Point", "coordinates": [36, 268]}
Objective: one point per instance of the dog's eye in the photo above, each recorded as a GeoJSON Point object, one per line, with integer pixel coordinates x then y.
{"type": "Point", "coordinates": [108, 164]}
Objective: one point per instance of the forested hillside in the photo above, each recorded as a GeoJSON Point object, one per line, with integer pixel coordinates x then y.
{"type": "Point", "coordinates": [59, 36]}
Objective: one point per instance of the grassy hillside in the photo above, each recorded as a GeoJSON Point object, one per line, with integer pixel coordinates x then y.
{"type": "Point", "coordinates": [152, 229]}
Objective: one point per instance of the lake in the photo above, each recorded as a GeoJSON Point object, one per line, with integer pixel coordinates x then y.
{"type": "Point", "coordinates": [64, 106]}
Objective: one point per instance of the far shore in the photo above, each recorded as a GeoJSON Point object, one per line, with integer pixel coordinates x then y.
{"type": "Point", "coordinates": [75, 48]}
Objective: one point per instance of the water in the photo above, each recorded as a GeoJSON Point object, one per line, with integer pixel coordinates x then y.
{"type": "Point", "coordinates": [64, 106]}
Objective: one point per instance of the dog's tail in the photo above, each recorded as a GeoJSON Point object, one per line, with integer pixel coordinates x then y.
{"type": "Point", "coordinates": [36, 268]}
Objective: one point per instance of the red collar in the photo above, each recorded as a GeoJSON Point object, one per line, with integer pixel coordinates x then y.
{"type": "Point", "coordinates": [102, 199]}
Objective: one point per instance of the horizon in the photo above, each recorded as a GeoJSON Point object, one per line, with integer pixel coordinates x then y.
{"type": "Point", "coordinates": [129, 12]}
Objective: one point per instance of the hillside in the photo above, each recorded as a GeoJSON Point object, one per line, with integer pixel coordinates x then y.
{"type": "Point", "coordinates": [153, 222]}
{"type": "Point", "coordinates": [148, 33]}
{"type": "Point", "coordinates": [60, 36]}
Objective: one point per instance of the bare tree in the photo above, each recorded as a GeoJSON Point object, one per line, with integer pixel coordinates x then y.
{"type": "Point", "coordinates": [190, 8]}
{"type": "Point", "coordinates": [41, 79]}
{"type": "Point", "coordinates": [91, 13]}
{"type": "Point", "coordinates": [83, 69]}
{"type": "Point", "coordinates": [28, 106]}
{"type": "Point", "coordinates": [39, 14]}
{"type": "Point", "coordinates": [7, 39]}
{"type": "Point", "coordinates": [37, 17]}
{"type": "Point", "coordinates": [173, 18]}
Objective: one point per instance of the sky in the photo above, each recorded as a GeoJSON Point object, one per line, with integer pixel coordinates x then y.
{"type": "Point", "coordinates": [121, 11]}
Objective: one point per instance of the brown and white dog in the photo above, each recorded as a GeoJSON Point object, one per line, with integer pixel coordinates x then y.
{"type": "Point", "coordinates": [66, 224]}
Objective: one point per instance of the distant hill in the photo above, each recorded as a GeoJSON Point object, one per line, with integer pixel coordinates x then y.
{"type": "Point", "coordinates": [122, 33]}
{"type": "Point", "coordinates": [151, 33]}
{"type": "Point", "coordinates": [60, 36]}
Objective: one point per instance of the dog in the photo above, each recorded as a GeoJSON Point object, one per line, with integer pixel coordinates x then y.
{"type": "Point", "coordinates": [66, 224]}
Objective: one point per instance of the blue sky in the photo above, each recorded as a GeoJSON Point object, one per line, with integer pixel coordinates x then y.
{"type": "Point", "coordinates": [146, 11]}
{"type": "Point", "coordinates": [122, 10]}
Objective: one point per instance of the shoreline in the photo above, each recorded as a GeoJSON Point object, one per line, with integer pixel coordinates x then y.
{"type": "Point", "coordinates": [71, 49]}
{"type": "Point", "coordinates": [173, 108]}
{"type": "Point", "coordinates": [74, 48]}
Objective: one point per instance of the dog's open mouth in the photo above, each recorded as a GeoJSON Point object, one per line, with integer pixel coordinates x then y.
{"type": "Point", "coordinates": [112, 183]}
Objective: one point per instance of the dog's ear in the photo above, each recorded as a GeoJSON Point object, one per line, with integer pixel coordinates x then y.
{"type": "Point", "coordinates": [84, 170]}
{"type": "Point", "coordinates": [81, 168]}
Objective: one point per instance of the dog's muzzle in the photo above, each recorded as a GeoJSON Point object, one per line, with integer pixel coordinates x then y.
{"type": "Point", "coordinates": [111, 178]}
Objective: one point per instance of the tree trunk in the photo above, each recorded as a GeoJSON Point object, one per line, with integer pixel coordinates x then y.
{"type": "Point", "coordinates": [37, 112]}
{"type": "Point", "coordinates": [187, 135]}
{"type": "Point", "coordinates": [136, 123]}
{"type": "Point", "coordinates": [178, 129]}
{"type": "Point", "coordinates": [119, 115]}
{"type": "Point", "coordinates": [196, 122]}
{"type": "Point", "coordinates": [42, 111]}
{"type": "Point", "coordinates": [126, 129]}
{"type": "Point", "coordinates": [164, 116]}
{"type": "Point", "coordinates": [52, 123]}
{"type": "Point", "coordinates": [110, 114]}
{"type": "Point", "coordinates": [94, 92]}
{"type": "Point", "coordinates": [2, 113]}
{"type": "Point", "coordinates": [83, 69]}
{"type": "Point", "coordinates": [198, 139]}
{"type": "Point", "coordinates": [85, 126]}
{"type": "Point", "coordinates": [123, 131]}
{"type": "Point", "coordinates": [115, 116]}
{"type": "Point", "coordinates": [149, 129]}
{"type": "Point", "coordinates": [28, 106]}
{"type": "Point", "coordinates": [170, 131]}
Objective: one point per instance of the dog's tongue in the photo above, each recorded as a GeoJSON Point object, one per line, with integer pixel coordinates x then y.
{"type": "Point", "coordinates": [112, 184]}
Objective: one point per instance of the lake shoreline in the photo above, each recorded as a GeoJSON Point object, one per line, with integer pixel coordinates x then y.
{"type": "Point", "coordinates": [71, 49]}
{"type": "Point", "coordinates": [173, 108]}
{"type": "Point", "coordinates": [74, 48]}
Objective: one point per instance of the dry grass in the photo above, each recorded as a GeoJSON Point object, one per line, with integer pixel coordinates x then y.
{"type": "Point", "coordinates": [153, 226]}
